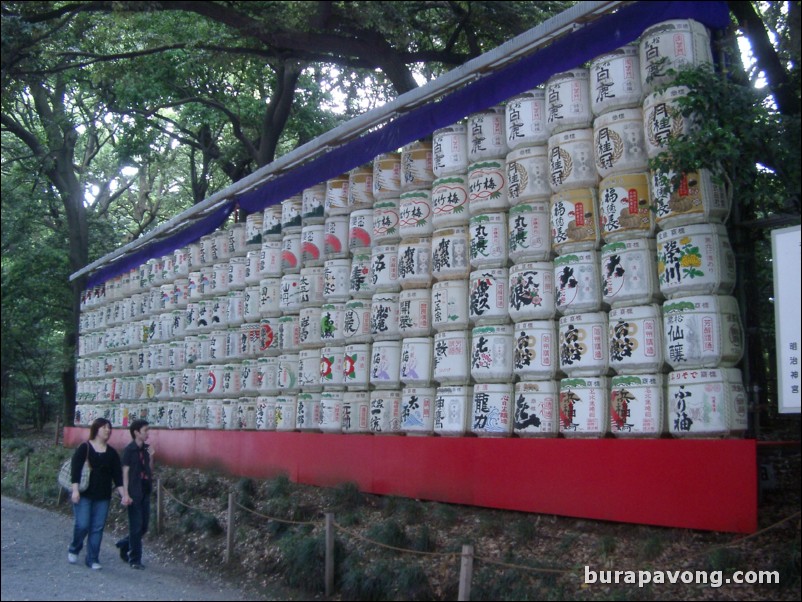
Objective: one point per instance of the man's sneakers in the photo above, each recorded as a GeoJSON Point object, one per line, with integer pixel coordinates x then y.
{"type": "Point", "coordinates": [72, 558]}
{"type": "Point", "coordinates": [95, 566]}
{"type": "Point", "coordinates": [137, 565]}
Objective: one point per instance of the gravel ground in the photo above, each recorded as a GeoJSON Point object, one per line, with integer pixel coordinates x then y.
{"type": "Point", "coordinates": [35, 567]}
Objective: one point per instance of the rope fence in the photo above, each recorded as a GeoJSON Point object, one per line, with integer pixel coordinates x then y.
{"type": "Point", "coordinates": [328, 524]}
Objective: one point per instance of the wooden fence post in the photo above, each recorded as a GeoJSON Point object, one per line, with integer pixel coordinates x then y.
{"type": "Point", "coordinates": [58, 428]}
{"type": "Point", "coordinates": [26, 473]}
{"type": "Point", "coordinates": [230, 529]}
{"type": "Point", "coordinates": [159, 507]}
{"type": "Point", "coordinates": [465, 573]}
{"type": "Point", "coordinates": [329, 567]}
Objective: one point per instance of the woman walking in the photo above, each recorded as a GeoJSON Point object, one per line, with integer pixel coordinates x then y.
{"type": "Point", "coordinates": [91, 507]}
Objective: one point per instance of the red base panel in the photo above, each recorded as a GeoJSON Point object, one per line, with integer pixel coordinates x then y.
{"type": "Point", "coordinates": [696, 484]}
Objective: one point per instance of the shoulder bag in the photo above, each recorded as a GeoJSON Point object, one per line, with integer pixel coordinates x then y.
{"type": "Point", "coordinates": [65, 474]}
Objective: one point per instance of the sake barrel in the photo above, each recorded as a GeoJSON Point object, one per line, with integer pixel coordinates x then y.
{"type": "Point", "coordinates": [289, 333]}
{"type": "Point", "coordinates": [356, 321]}
{"type": "Point", "coordinates": [531, 291]}
{"type": "Point", "coordinates": [307, 412]}
{"type": "Point", "coordinates": [356, 412]}
{"type": "Point", "coordinates": [385, 364]}
{"type": "Point", "coordinates": [629, 272]}
{"type": "Point", "coordinates": [309, 328]}
{"type": "Point", "coordinates": [491, 353]}
{"type": "Point", "coordinates": [534, 355]}
{"type": "Point", "coordinates": [450, 253]}
{"type": "Point", "coordinates": [270, 297]}
{"type": "Point", "coordinates": [488, 240]}
{"type": "Point", "coordinates": [663, 120]}
{"type": "Point", "coordinates": [291, 253]}
{"type": "Point", "coordinates": [270, 259]}
{"type": "Point", "coordinates": [290, 294]}
{"type": "Point", "coordinates": [574, 224]}
{"type": "Point", "coordinates": [331, 323]}
{"type": "Point", "coordinates": [384, 268]}
{"type": "Point", "coordinates": [415, 262]}
{"type": "Point", "coordinates": [415, 214]}
{"type": "Point", "coordinates": [291, 214]}
{"type": "Point", "coordinates": [583, 344]}
{"type": "Point", "coordinates": [528, 175]}
{"type": "Point", "coordinates": [335, 237]}
{"type": "Point", "coordinates": [267, 369]}
{"type": "Point", "coordinates": [536, 409]}
{"type": "Point", "coordinates": [487, 186]}
{"type": "Point", "coordinates": [637, 405]}
{"type": "Point", "coordinates": [360, 283]}
{"type": "Point", "coordinates": [313, 200]}
{"type": "Point", "coordinates": [584, 407]}
{"type": "Point", "coordinates": [266, 413]}
{"type": "Point", "coordinates": [416, 361]}
{"type": "Point", "coordinates": [336, 280]}
{"type": "Point", "coordinates": [269, 342]}
{"type": "Point", "coordinates": [702, 331]}
{"type": "Point", "coordinates": [331, 410]}
{"type": "Point", "coordinates": [312, 245]}
{"type": "Point", "coordinates": [706, 403]}
{"type": "Point", "coordinates": [577, 282]}
{"type": "Point", "coordinates": [672, 45]}
{"type": "Point", "coordinates": [286, 412]}
{"type": "Point", "coordinates": [486, 136]}
{"type": "Point", "coordinates": [287, 373]}
{"type": "Point", "coordinates": [384, 316]}
{"type": "Point", "coordinates": [451, 359]}
{"type": "Point", "coordinates": [331, 368]}
{"type": "Point", "coordinates": [450, 150]}
{"type": "Point", "coordinates": [271, 223]}
{"type": "Point", "coordinates": [572, 162]}
{"type": "Point", "coordinates": [529, 227]}
{"type": "Point", "coordinates": [417, 410]}
{"type": "Point", "coordinates": [386, 221]}
{"type": "Point", "coordinates": [525, 119]}
{"type": "Point", "coordinates": [492, 406]}
{"type": "Point", "coordinates": [246, 413]}
{"type": "Point", "coordinates": [357, 366]}
{"type": "Point", "coordinates": [489, 296]}
{"type": "Point", "coordinates": [615, 80]}
{"type": "Point", "coordinates": [387, 176]}
{"type": "Point", "coordinates": [696, 199]}
{"type": "Point", "coordinates": [568, 101]}
{"type": "Point", "coordinates": [452, 411]}
{"type": "Point", "coordinates": [416, 166]}
{"type": "Point", "coordinates": [695, 259]}
{"type": "Point", "coordinates": [450, 201]}
{"type": "Point", "coordinates": [450, 305]}
{"type": "Point", "coordinates": [385, 412]}
{"type": "Point", "coordinates": [336, 201]}
{"type": "Point", "coordinates": [624, 207]}
{"type": "Point", "coordinates": [619, 142]}
{"type": "Point", "coordinates": [360, 230]}
{"type": "Point", "coordinates": [635, 335]}
{"type": "Point", "coordinates": [360, 187]}
{"type": "Point", "coordinates": [311, 286]}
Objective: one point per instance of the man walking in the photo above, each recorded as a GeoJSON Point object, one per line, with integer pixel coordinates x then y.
{"type": "Point", "coordinates": [137, 467]}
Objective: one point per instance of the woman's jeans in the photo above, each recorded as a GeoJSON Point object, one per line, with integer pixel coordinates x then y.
{"type": "Point", "coordinates": [90, 518]}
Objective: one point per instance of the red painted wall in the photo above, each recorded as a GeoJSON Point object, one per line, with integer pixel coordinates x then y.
{"type": "Point", "coordinates": [696, 484]}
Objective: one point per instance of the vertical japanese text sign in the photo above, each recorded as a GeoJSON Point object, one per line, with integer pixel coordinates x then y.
{"type": "Point", "coordinates": [785, 249]}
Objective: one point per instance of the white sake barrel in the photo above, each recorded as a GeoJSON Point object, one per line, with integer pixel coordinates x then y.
{"type": "Point", "coordinates": [488, 238]}
{"type": "Point", "coordinates": [572, 162]}
{"type": "Point", "coordinates": [385, 412]}
{"type": "Point", "coordinates": [309, 327]}
{"type": "Point", "coordinates": [194, 263]}
{"type": "Point", "coordinates": [452, 410]}
{"type": "Point", "coordinates": [386, 221]}
{"type": "Point", "coordinates": [200, 411]}
{"type": "Point", "coordinates": [251, 339]}
{"type": "Point", "coordinates": [702, 331]}
{"type": "Point", "coordinates": [532, 293]}
{"type": "Point", "coordinates": [635, 335]}
{"type": "Point", "coordinates": [356, 412]}
{"type": "Point", "coordinates": [336, 201]}
{"type": "Point", "coordinates": [331, 410]}
{"type": "Point", "coordinates": [181, 292]}
{"type": "Point", "coordinates": [335, 237]}
{"type": "Point", "coordinates": [291, 215]}
{"type": "Point", "coordinates": [219, 313]}
{"type": "Point", "coordinates": [672, 45]}
{"type": "Point", "coordinates": [336, 280]}
{"type": "Point", "coordinates": [206, 255]}
{"type": "Point", "coordinates": [486, 136]}
{"type": "Point", "coordinates": [629, 272]}
{"type": "Point", "coordinates": [331, 368]}
{"type": "Point", "coordinates": [360, 283]}
{"type": "Point", "coordinates": [214, 414]}
{"type": "Point", "coordinates": [246, 413]}
{"type": "Point", "coordinates": [289, 333]}
{"type": "Point", "coordinates": [384, 268]}
{"type": "Point", "coordinates": [331, 323]}
{"type": "Point", "coordinates": [253, 230]}
{"type": "Point", "coordinates": [487, 186]}
{"type": "Point", "coordinates": [450, 150]}
{"type": "Point", "coordinates": [265, 413]}
{"type": "Point", "coordinates": [535, 354]}
{"type": "Point", "coordinates": [387, 176]}
{"type": "Point", "coordinates": [619, 142]}
{"type": "Point", "coordinates": [385, 364]}
{"type": "Point", "coordinates": [218, 346]}
{"type": "Point", "coordinates": [307, 412]}
{"type": "Point", "coordinates": [578, 282]}
{"type": "Point", "coordinates": [414, 312]}
{"type": "Point", "coordinates": [356, 321]}
{"type": "Point", "coordinates": [269, 337]}
{"type": "Point", "coordinates": [637, 405]}
{"type": "Point", "coordinates": [313, 200]}
{"type": "Point", "coordinates": [416, 361]}
{"type": "Point", "coordinates": [568, 101]}
{"type": "Point", "coordinates": [584, 406]}
{"type": "Point", "coordinates": [450, 201]}
{"type": "Point", "coordinates": [492, 410]}
{"type": "Point", "coordinates": [360, 187]}
{"type": "Point", "coordinates": [416, 166]}
{"type": "Point", "coordinates": [291, 253]}
{"type": "Point", "coordinates": [450, 305]}
{"type": "Point", "coordinates": [286, 412]}
{"type": "Point", "coordinates": [699, 199]}
{"type": "Point", "coordinates": [492, 353]}
{"type": "Point", "coordinates": [451, 360]}
{"type": "Point", "coordinates": [583, 344]}
{"type": "Point", "coordinates": [356, 366]}
{"type": "Point", "coordinates": [235, 308]}
{"type": "Point", "coordinates": [267, 367]}
{"type": "Point", "coordinates": [525, 119]}
{"type": "Point", "coordinates": [214, 383]}
{"type": "Point", "coordinates": [384, 318]}
{"type": "Point", "coordinates": [695, 260]}
{"type": "Point", "coordinates": [450, 253]}
{"type": "Point", "coordinates": [221, 252]}
{"type": "Point", "coordinates": [415, 214]}
{"type": "Point", "coordinates": [249, 377]}
{"type": "Point", "coordinates": [253, 272]}
{"type": "Point", "coordinates": [662, 119]}
{"type": "Point", "coordinates": [706, 403]}
{"type": "Point", "coordinates": [489, 296]}
{"type": "Point", "coordinates": [417, 410]}
{"type": "Point", "coordinates": [311, 286]}
{"type": "Point", "coordinates": [312, 245]}
{"type": "Point", "coordinates": [529, 227]}
{"type": "Point", "coordinates": [235, 349]}
{"type": "Point", "coordinates": [271, 223]}
{"type": "Point", "coordinates": [615, 80]}
{"type": "Point", "coordinates": [574, 224]}
{"type": "Point", "coordinates": [238, 239]}
{"type": "Point", "coordinates": [287, 374]}
{"type": "Point", "coordinates": [415, 262]}
{"type": "Point", "coordinates": [624, 207]}
{"type": "Point", "coordinates": [232, 380]}
{"type": "Point", "coordinates": [270, 259]}
{"type": "Point", "coordinates": [360, 230]}
{"type": "Point", "coordinates": [528, 174]}
{"type": "Point", "coordinates": [290, 294]}
{"type": "Point", "coordinates": [536, 409]}
{"type": "Point", "coordinates": [270, 297]}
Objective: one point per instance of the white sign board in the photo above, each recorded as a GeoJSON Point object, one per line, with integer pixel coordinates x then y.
{"type": "Point", "coordinates": [786, 252]}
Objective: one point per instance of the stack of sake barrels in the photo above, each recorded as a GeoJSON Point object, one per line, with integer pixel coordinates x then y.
{"type": "Point", "coordinates": [703, 338]}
